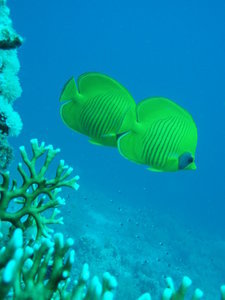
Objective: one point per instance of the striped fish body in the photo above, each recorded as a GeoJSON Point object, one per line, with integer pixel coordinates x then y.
{"type": "Point", "coordinates": [103, 115]}
{"type": "Point", "coordinates": [100, 108]}
{"type": "Point", "coordinates": [165, 137]}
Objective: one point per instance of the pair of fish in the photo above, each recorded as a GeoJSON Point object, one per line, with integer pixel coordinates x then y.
{"type": "Point", "coordinates": [156, 132]}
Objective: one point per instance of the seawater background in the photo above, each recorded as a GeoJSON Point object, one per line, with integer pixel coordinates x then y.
{"type": "Point", "coordinates": [141, 226]}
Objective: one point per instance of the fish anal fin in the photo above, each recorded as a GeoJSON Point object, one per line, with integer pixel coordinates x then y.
{"type": "Point", "coordinates": [106, 140]}
{"type": "Point", "coordinates": [93, 142]}
{"type": "Point", "coordinates": [154, 170]}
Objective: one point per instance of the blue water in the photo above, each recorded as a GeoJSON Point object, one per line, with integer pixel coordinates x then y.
{"type": "Point", "coordinates": [175, 49]}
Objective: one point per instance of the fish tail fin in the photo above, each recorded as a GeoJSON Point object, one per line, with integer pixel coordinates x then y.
{"type": "Point", "coordinates": [69, 91]}
{"type": "Point", "coordinates": [71, 108]}
{"type": "Point", "coordinates": [129, 123]}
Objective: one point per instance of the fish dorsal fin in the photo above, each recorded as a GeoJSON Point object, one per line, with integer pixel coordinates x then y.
{"type": "Point", "coordinates": [96, 83]}
{"type": "Point", "coordinates": [69, 91]}
{"type": "Point", "coordinates": [156, 107]}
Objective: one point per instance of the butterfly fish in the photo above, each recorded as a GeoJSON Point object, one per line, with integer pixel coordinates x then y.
{"type": "Point", "coordinates": [164, 137]}
{"type": "Point", "coordinates": [98, 107]}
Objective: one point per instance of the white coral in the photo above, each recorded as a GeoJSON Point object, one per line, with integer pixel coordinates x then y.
{"type": "Point", "coordinates": [9, 61]}
{"type": "Point", "coordinates": [13, 120]}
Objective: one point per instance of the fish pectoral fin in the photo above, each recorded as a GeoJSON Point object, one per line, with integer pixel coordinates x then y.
{"type": "Point", "coordinates": [172, 162]}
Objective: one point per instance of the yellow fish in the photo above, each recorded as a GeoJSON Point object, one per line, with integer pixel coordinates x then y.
{"type": "Point", "coordinates": [164, 137]}
{"type": "Point", "coordinates": [100, 108]}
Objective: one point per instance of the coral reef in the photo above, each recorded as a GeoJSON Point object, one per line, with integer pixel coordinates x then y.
{"type": "Point", "coordinates": [37, 194]}
{"type": "Point", "coordinates": [39, 266]}
{"type": "Point", "coordinates": [42, 271]}
{"type": "Point", "coordinates": [10, 89]}
{"type": "Point", "coordinates": [35, 263]}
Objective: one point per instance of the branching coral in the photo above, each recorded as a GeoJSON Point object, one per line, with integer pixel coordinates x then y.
{"type": "Point", "coordinates": [36, 194]}
{"type": "Point", "coordinates": [39, 268]}
{"type": "Point", "coordinates": [42, 272]}
{"type": "Point", "coordinates": [6, 153]}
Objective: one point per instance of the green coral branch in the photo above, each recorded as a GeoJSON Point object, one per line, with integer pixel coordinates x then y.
{"type": "Point", "coordinates": [42, 272]}
{"type": "Point", "coordinates": [37, 193]}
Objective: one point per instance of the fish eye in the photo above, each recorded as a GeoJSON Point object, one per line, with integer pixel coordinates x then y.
{"type": "Point", "coordinates": [184, 160]}
{"type": "Point", "coordinates": [190, 160]}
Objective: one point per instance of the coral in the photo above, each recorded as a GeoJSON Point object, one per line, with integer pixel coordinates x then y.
{"type": "Point", "coordinates": [10, 89]}
{"type": "Point", "coordinates": [171, 293]}
{"type": "Point", "coordinates": [39, 268]}
{"type": "Point", "coordinates": [9, 39]}
{"type": "Point", "coordinates": [42, 271]}
{"type": "Point", "coordinates": [6, 153]}
{"type": "Point", "coordinates": [10, 121]}
{"type": "Point", "coordinates": [36, 193]}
